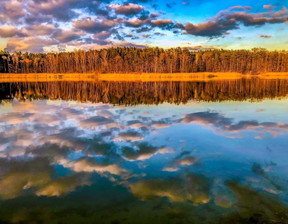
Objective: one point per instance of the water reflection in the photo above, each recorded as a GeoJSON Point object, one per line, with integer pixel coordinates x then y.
{"type": "Point", "coordinates": [133, 93]}
{"type": "Point", "coordinates": [71, 162]}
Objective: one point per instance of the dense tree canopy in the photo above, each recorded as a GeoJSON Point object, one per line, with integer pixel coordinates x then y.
{"type": "Point", "coordinates": [147, 60]}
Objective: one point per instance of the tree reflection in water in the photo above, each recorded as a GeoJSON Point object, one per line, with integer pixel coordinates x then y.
{"type": "Point", "coordinates": [69, 162]}
{"type": "Point", "coordinates": [133, 93]}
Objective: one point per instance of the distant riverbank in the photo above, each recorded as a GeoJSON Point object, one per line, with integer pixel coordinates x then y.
{"type": "Point", "coordinates": [135, 77]}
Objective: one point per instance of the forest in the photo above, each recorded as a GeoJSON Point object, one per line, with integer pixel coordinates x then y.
{"type": "Point", "coordinates": [146, 60]}
{"type": "Point", "coordinates": [134, 93]}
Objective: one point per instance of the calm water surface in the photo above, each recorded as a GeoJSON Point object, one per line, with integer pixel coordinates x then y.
{"type": "Point", "coordinates": [153, 152]}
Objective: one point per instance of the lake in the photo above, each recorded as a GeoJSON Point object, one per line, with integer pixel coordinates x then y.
{"type": "Point", "coordinates": [148, 151]}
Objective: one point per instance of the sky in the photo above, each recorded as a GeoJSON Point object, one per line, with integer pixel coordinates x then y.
{"type": "Point", "coordinates": [66, 25]}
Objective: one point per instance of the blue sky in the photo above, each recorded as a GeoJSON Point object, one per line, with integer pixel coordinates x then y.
{"type": "Point", "coordinates": [63, 25]}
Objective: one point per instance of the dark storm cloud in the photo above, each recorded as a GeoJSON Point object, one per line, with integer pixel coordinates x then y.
{"type": "Point", "coordinates": [61, 10]}
{"type": "Point", "coordinates": [92, 26]}
{"type": "Point", "coordinates": [41, 29]}
{"type": "Point", "coordinates": [165, 24]}
{"type": "Point", "coordinates": [41, 23]}
{"type": "Point", "coordinates": [11, 10]}
{"type": "Point", "coordinates": [101, 38]}
{"type": "Point", "coordinates": [210, 29]}
{"type": "Point", "coordinates": [65, 36]}
{"type": "Point", "coordinates": [35, 11]}
{"type": "Point", "coordinates": [227, 20]}
{"type": "Point", "coordinates": [64, 9]}
{"type": "Point", "coordinates": [147, 24]}
{"type": "Point", "coordinates": [103, 35]}
{"type": "Point", "coordinates": [101, 42]}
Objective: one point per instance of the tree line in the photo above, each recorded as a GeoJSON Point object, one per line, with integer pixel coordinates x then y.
{"type": "Point", "coordinates": [133, 93]}
{"type": "Point", "coordinates": [147, 60]}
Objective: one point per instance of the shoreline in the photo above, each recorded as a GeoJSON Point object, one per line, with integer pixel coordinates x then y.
{"type": "Point", "coordinates": [135, 77]}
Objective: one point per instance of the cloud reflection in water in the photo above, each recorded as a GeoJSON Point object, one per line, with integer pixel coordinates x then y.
{"type": "Point", "coordinates": [166, 154]}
